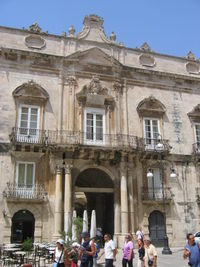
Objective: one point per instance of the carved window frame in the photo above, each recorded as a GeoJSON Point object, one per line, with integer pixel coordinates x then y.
{"type": "Point", "coordinates": [25, 177]}
{"type": "Point", "coordinates": [152, 143]}
{"type": "Point", "coordinates": [94, 111]}
{"type": "Point", "coordinates": [28, 134]}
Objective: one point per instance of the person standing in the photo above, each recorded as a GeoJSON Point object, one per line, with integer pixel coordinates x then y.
{"type": "Point", "coordinates": [109, 251]}
{"type": "Point", "coordinates": [192, 251]}
{"type": "Point", "coordinates": [60, 254]}
{"type": "Point", "coordinates": [141, 253]}
{"type": "Point", "coordinates": [150, 257]}
{"type": "Point", "coordinates": [88, 251]}
{"type": "Point", "coordinates": [128, 253]}
{"type": "Point", "coordinates": [139, 234]}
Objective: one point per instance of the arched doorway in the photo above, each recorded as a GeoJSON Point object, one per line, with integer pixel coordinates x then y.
{"type": "Point", "coordinates": [96, 188]}
{"type": "Point", "coordinates": [157, 228]}
{"type": "Point", "coordinates": [23, 225]}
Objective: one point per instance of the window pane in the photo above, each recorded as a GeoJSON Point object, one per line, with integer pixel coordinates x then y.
{"type": "Point", "coordinates": [90, 126]}
{"type": "Point", "coordinates": [29, 175]}
{"type": "Point", "coordinates": [197, 128]}
{"type": "Point", "coordinates": [21, 174]}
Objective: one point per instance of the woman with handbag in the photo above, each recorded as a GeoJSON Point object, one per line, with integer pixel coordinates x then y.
{"type": "Point", "coordinates": [150, 253]}
{"type": "Point", "coordinates": [60, 255]}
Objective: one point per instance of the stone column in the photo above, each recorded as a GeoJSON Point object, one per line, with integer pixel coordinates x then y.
{"type": "Point", "coordinates": [58, 204]}
{"type": "Point", "coordinates": [71, 80]}
{"type": "Point", "coordinates": [117, 228]}
{"type": "Point", "coordinates": [60, 104]}
{"type": "Point", "coordinates": [124, 199]}
{"type": "Point", "coordinates": [118, 115]}
{"type": "Point", "coordinates": [68, 198]}
{"type": "Point", "coordinates": [131, 197]}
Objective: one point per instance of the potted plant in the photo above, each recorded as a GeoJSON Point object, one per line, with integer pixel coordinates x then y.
{"type": "Point", "coordinates": [27, 246]}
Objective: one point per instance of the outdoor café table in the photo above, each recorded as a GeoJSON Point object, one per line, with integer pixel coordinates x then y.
{"type": "Point", "coordinates": [20, 255]}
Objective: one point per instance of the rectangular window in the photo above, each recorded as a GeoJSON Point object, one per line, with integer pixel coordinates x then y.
{"type": "Point", "coordinates": [197, 136]}
{"type": "Point", "coordinates": [151, 132]}
{"type": "Point", "coordinates": [155, 185]}
{"type": "Point", "coordinates": [25, 174]}
{"type": "Point", "coordinates": [28, 124]}
{"type": "Point", "coordinates": [94, 126]}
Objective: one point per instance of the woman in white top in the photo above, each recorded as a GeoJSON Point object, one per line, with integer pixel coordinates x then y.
{"type": "Point", "coordinates": [60, 254]}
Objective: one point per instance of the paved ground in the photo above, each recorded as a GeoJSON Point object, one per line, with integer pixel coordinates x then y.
{"type": "Point", "coordinates": [174, 260]}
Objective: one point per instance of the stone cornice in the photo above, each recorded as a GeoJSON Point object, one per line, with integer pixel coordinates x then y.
{"type": "Point", "coordinates": [124, 71]}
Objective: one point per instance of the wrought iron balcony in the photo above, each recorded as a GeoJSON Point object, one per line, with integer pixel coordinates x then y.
{"type": "Point", "coordinates": [30, 136]}
{"type": "Point", "coordinates": [36, 192]}
{"type": "Point", "coordinates": [196, 148]}
{"type": "Point", "coordinates": [48, 137]}
{"type": "Point", "coordinates": [155, 194]}
{"type": "Point", "coordinates": [154, 145]}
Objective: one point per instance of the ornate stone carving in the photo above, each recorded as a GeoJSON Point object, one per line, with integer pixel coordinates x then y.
{"type": "Point", "coordinates": [71, 80]}
{"type": "Point", "coordinates": [195, 113]}
{"type": "Point", "coordinates": [94, 94]}
{"type": "Point", "coordinates": [71, 31]}
{"type": "Point", "coordinates": [31, 90]}
{"type": "Point", "coordinates": [117, 87]}
{"type": "Point", "coordinates": [146, 47]}
{"type": "Point", "coordinates": [147, 60]}
{"type": "Point", "coordinates": [35, 41]}
{"type": "Point", "coordinates": [151, 106]}
{"type": "Point", "coordinates": [113, 37]}
{"type": "Point", "coordinates": [93, 29]}
{"type": "Point", "coordinates": [192, 67]}
{"type": "Point", "coordinates": [190, 55]}
{"type": "Point", "coordinates": [35, 28]}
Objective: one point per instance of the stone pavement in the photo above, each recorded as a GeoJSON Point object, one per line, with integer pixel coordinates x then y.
{"type": "Point", "coordinates": [174, 260]}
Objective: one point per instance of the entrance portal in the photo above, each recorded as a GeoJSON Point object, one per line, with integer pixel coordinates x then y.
{"type": "Point", "coordinates": [97, 188]}
{"type": "Point", "coordinates": [157, 228]}
{"type": "Point", "coordinates": [23, 224]}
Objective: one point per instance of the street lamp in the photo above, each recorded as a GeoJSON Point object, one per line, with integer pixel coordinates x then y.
{"type": "Point", "coordinates": [160, 148]}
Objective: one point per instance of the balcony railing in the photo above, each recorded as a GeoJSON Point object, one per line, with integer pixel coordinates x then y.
{"type": "Point", "coordinates": [30, 136]}
{"type": "Point", "coordinates": [196, 148]}
{"type": "Point", "coordinates": [149, 194]}
{"type": "Point", "coordinates": [157, 145]}
{"type": "Point", "coordinates": [35, 192]}
{"type": "Point", "coordinates": [48, 137]}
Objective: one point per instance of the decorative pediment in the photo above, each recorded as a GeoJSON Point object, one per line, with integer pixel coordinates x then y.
{"type": "Point", "coordinates": [94, 94]}
{"type": "Point", "coordinates": [195, 113]}
{"type": "Point", "coordinates": [94, 56]}
{"type": "Point", "coordinates": [93, 30]}
{"type": "Point", "coordinates": [151, 106]}
{"type": "Point", "coordinates": [30, 91]}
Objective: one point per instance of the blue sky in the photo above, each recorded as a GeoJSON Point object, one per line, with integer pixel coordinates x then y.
{"type": "Point", "coordinates": [168, 26]}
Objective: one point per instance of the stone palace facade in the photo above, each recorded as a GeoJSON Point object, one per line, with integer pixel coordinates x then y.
{"type": "Point", "coordinates": [83, 120]}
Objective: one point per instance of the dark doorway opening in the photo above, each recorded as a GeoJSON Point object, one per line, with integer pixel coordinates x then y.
{"type": "Point", "coordinates": [23, 225]}
{"type": "Point", "coordinates": [157, 228]}
{"type": "Point", "coordinates": [97, 188]}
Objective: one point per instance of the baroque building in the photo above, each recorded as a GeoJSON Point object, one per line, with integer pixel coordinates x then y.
{"type": "Point", "coordinates": [83, 119]}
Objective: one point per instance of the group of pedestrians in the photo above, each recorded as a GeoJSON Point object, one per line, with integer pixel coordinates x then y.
{"type": "Point", "coordinates": [147, 254]}
{"type": "Point", "coordinates": [87, 252]}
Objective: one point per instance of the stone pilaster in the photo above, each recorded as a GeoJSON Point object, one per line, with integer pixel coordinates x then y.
{"type": "Point", "coordinates": [58, 215]}
{"type": "Point", "coordinates": [124, 199]}
{"type": "Point", "coordinates": [131, 198]}
{"type": "Point", "coordinates": [117, 226]}
{"type": "Point", "coordinates": [68, 198]}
